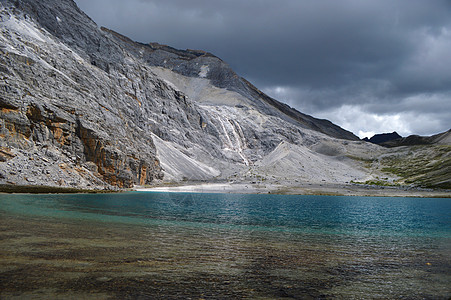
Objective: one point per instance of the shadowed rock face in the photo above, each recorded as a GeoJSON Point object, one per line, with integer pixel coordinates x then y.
{"type": "Point", "coordinates": [443, 138]}
{"type": "Point", "coordinates": [383, 137]}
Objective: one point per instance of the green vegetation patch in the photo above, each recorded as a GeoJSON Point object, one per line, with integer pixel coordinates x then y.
{"type": "Point", "coordinates": [376, 182]}
{"type": "Point", "coordinates": [425, 166]}
{"type": "Point", "coordinates": [367, 161]}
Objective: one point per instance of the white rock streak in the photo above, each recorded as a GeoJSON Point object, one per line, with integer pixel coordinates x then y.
{"type": "Point", "coordinates": [233, 137]}
{"type": "Point", "coordinates": [204, 71]}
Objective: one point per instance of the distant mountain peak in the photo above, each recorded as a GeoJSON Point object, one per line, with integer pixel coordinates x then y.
{"type": "Point", "coordinates": [443, 138]}
{"type": "Point", "coordinates": [383, 137]}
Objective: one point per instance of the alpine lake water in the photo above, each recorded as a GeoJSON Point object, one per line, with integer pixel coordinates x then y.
{"type": "Point", "coordinates": [142, 245]}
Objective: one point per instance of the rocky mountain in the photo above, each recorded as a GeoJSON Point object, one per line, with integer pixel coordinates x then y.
{"type": "Point", "coordinates": [395, 140]}
{"type": "Point", "coordinates": [383, 137]}
{"type": "Point", "coordinates": [196, 63]}
{"type": "Point", "coordinates": [443, 138]}
{"type": "Point", "coordinates": [85, 107]}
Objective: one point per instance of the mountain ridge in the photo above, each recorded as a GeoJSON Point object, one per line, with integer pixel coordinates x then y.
{"type": "Point", "coordinates": [227, 78]}
{"type": "Point", "coordinates": [85, 107]}
{"type": "Point", "coordinates": [383, 137]}
{"type": "Point", "coordinates": [443, 138]}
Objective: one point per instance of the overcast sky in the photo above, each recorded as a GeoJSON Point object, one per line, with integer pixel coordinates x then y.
{"type": "Point", "coordinates": [368, 66]}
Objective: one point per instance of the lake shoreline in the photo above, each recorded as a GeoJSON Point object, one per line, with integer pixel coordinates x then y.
{"type": "Point", "coordinates": [301, 189]}
{"type": "Point", "coordinates": [43, 189]}
{"type": "Point", "coordinates": [321, 189]}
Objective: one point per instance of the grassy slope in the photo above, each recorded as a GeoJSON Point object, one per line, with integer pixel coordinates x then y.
{"type": "Point", "coordinates": [425, 166]}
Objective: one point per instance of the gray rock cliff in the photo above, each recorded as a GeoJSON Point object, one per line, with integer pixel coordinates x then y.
{"type": "Point", "coordinates": [83, 106]}
{"type": "Point", "coordinates": [68, 101]}
{"type": "Point", "coordinates": [195, 63]}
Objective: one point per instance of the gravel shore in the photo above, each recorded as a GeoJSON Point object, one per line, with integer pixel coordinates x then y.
{"type": "Point", "coordinates": [301, 189]}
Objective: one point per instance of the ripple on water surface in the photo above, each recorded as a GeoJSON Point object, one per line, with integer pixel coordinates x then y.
{"type": "Point", "coordinates": [224, 246]}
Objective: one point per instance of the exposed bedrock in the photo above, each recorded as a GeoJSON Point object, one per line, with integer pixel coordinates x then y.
{"type": "Point", "coordinates": [83, 106]}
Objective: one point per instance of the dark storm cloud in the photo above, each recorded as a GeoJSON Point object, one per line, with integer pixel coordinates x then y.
{"type": "Point", "coordinates": [386, 58]}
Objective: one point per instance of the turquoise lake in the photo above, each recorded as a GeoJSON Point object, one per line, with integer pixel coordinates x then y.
{"type": "Point", "coordinates": [142, 245]}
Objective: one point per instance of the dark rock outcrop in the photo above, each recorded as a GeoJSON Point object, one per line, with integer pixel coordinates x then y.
{"type": "Point", "coordinates": [383, 138]}
{"type": "Point", "coordinates": [443, 138]}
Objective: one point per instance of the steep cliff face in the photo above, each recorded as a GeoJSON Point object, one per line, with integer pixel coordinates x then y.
{"type": "Point", "coordinates": [84, 106]}
{"type": "Point", "coordinates": [54, 99]}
